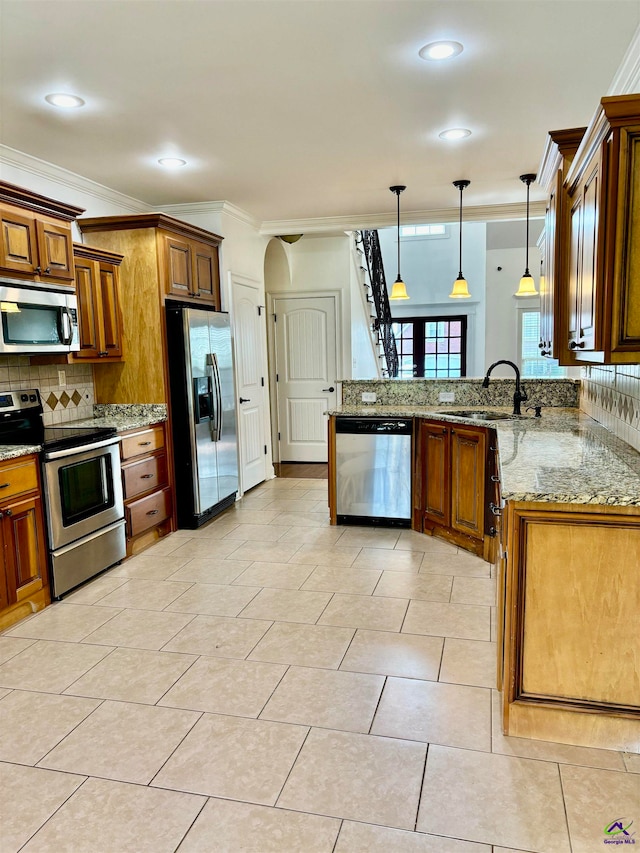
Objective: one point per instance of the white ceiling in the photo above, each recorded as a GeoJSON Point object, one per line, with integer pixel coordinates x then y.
{"type": "Point", "coordinates": [293, 109]}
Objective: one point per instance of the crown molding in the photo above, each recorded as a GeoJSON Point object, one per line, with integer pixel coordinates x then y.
{"type": "Point", "coordinates": [201, 208]}
{"type": "Point", "coordinates": [627, 77]}
{"type": "Point", "coordinates": [66, 178]}
{"type": "Point", "coordinates": [333, 225]}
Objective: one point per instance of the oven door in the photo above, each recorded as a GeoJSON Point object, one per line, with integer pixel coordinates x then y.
{"type": "Point", "coordinates": [83, 489]}
{"type": "Point", "coordinates": [37, 321]}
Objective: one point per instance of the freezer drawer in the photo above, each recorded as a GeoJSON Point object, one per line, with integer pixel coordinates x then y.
{"type": "Point", "coordinates": [373, 476]}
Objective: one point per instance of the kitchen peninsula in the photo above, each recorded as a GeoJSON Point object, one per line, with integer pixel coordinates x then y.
{"type": "Point", "coordinates": [565, 515]}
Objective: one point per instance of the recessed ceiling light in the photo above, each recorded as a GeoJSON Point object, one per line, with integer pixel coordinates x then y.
{"type": "Point", "coordinates": [172, 162]}
{"type": "Point", "coordinates": [437, 50]}
{"type": "Point", "coordinates": [60, 99]}
{"type": "Point", "coordinates": [454, 133]}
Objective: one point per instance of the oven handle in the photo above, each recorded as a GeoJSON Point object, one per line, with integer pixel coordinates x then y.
{"type": "Point", "coordinates": [74, 451]}
{"type": "Point", "coordinates": [67, 327]}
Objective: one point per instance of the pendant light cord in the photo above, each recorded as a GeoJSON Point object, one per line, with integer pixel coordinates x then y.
{"type": "Point", "coordinates": [526, 271]}
{"type": "Point", "coordinates": [460, 270]}
{"type": "Point", "coordinates": [398, 197]}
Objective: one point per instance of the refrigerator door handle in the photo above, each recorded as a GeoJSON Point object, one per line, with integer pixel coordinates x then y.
{"type": "Point", "coordinates": [216, 431]}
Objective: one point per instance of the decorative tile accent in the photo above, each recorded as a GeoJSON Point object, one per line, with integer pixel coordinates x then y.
{"type": "Point", "coordinates": [51, 401]}
{"type": "Point", "coordinates": [611, 395]}
{"type": "Point", "coordinates": [65, 399]}
{"type": "Point", "coordinates": [16, 374]}
{"type": "Point", "coordinates": [76, 398]}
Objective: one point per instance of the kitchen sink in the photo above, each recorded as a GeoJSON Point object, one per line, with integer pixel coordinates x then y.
{"type": "Point", "coordinates": [478, 415]}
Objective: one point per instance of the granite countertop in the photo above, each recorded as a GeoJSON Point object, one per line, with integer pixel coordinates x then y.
{"type": "Point", "coordinates": [13, 451]}
{"type": "Point", "coordinates": [121, 422]}
{"type": "Point", "coordinates": [563, 457]}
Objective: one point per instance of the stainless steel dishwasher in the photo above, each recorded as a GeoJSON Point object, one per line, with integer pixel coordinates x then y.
{"type": "Point", "coordinates": [373, 470]}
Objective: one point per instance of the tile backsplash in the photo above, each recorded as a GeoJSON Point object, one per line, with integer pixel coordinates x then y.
{"type": "Point", "coordinates": [611, 395]}
{"type": "Point", "coordinates": [60, 404]}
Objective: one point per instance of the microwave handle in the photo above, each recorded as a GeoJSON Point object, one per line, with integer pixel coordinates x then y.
{"type": "Point", "coordinates": [67, 327]}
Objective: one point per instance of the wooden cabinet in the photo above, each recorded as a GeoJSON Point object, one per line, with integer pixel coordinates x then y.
{"type": "Point", "coordinates": [599, 233]}
{"type": "Point", "coordinates": [163, 258]}
{"type": "Point", "coordinates": [569, 598]}
{"type": "Point", "coordinates": [147, 493]}
{"type": "Point", "coordinates": [450, 497]}
{"type": "Point", "coordinates": [24, 585]}
{"type": "Point", "coordinates": [554, 305]}
{"type": "Point", "coordinates": [99, 314]}
{"type": "Point", "coordinates": [192, 270]}
{"type": "Point", "coordinates": [35, 236]}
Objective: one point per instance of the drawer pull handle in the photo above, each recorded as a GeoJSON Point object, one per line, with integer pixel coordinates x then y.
{"type": "Point", "coordinates": [143, 443]}
{"type": "Point", "coordinates": [495, 478]}
{"type": "Point", "coordinates": [146, 476]}
{"type": "Point", "coordinates": [153, 512]}
{"type": "Point", "coordinates": [4, 485]}
{"type": "Point", "coordinates": [495, 509]}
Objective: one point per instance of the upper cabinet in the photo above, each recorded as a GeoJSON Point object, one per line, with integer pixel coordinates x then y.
{"type": "Point", "coordinates": [554, 316]}
{"type": "Point", "coordinates": [163, 258]}
{"type": "Point", "coordinates": [599, 235]}
{"type": "Point", "coordinates": [35, 236]}
{"type": "Point", "coordinates": [99, 314]}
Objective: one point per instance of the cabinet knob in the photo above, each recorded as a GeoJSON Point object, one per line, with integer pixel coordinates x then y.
{"type": "Point", "coordinates": [102, 354]}
{"type": "Point", "coordinates": [495, 509]}
{"type": "Point", "coordinates": [495, 478]}
{"type": "Point", "coordinates": [8, 512]}
{"type": "Point", "coordinates": [38, 270]}
{"type": "Point", "coordinates": [153, 512]}
{"type": "Point", "coordinates": [544, 352]}
{"type": "Point", "coordinates": [47, 271]}
{"type": "Point", "coordinates": [576, 345]}
{"type": "Point", "coordinates": [146, 476]}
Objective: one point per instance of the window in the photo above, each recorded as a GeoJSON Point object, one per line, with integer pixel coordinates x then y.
{"type": "Point", "coordinates": [431, 347]}
{"type": "Point", "coordinates": [424, 231]}
{"type": "Point", "coordinates": [531, 362]}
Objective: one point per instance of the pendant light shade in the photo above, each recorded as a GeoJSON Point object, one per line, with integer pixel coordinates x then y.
{"type": "Point", "coordinates": [399, 289]}
{"type": "Point", "coordinates": [460, 289]}
{"type": "Point", "coordinates": [527, 286]}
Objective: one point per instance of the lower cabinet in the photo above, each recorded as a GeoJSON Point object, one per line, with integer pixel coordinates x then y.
{"type": "Point", "coordinates": [24, 583]}
{"type": "Point", "coordinates": [569, 591]}
{"type": "Point", "coordinates": [148, 497]}
{"type": "Point", "coordinates": [450, 498]}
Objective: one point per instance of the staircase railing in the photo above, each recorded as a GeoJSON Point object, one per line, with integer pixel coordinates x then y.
{"type": "Point", "coordinates": [382, 322]}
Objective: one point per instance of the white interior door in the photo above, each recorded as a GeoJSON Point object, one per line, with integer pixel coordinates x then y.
{"type": "Point", "coordinates": [306, 364]}
{"type": "Point", "coordinates": [248, 322]}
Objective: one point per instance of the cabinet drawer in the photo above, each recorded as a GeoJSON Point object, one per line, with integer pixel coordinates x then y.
{"type": "Point", "coordinates": [143, 442]}
{"type": "Point", "coordinates": [145, 475]}
{"type": "Point", "coordinates": [18, 478]}
{"type": "Point", "coordinates": [147, 512]}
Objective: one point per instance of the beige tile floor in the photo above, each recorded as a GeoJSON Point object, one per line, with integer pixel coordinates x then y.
{"type": "Point", "coordinates": [271, 683]}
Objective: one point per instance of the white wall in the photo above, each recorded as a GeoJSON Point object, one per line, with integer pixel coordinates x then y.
{"type": "Point", "coordinates": [365, 363]}
{"type": "Point", "coordinates": [503, 308]}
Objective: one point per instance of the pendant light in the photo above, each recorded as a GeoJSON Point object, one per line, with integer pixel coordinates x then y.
{"type": "Point", "coordinates": [460, 288]}
{"type": "Point", "coordinates": [399, 289]}
{"type": "Point", "coordinates": [527, 286]}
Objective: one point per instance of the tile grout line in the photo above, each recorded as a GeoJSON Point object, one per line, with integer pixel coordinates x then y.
{"type": "Point", "coordinates": [56, 810]}
{"type": "Point", "coordinates": [564, 806]}
{"type": "Point", "coordinates": [173, 752]}
{"type": "Point", "coordinates": [384, 686]}
{"type": "Point", "coordinates": [424, 774]}
{"type": "Point", "coordinates": [191, 825]}
{"type": "Point", "coordinates": [293, 764]}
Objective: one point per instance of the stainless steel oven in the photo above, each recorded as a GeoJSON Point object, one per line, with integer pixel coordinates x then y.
{"type": "Point", "coordinates": [85, 510]}
{"type": "Point", "coordinates": [82, 489]}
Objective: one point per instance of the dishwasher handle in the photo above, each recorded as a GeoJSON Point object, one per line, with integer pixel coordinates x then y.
{"type": "Point", "coordinates": [373, 426]}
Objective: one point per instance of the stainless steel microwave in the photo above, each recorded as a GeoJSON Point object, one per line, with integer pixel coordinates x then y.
{"type": "Point", "coordinates": [37, 319]}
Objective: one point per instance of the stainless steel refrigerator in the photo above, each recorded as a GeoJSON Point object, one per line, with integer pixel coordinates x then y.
{"type": "Point", "coordinates": [203, 412]}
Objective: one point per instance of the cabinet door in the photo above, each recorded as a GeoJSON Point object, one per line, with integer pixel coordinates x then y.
{"type": "Point", "coordinates": [87, 273]}
{"type": "Point", "coordinates": [584, 285]}
{"type": "Point", "coordinates": [468, 480]}
{"type": "Point", "coordinates": [178, 262]}
{"type": "Point", "coordinates": [18, 243]}
{"type": "Point", "coordinates": [206, 274]}
{"type": "Point", "coordinates": [55, 249]}
{"type": "Point", "coordinates": [110, 312]}
{"type": "Point", "coordinates": [25, 551]}
{"type": "Point", "coordinates": [436, 489]}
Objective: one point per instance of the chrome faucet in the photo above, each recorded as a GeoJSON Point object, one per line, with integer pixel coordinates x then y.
{"type": "Point", "coordinates": [520, 395]}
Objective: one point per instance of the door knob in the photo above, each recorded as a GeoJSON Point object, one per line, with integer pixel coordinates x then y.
{"type": "Point", "coordinates": [245, 400]}
{"type": "Point", "coordinates": [331, 389]}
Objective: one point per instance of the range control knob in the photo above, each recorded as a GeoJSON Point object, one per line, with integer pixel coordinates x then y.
{"type": "Point", "coordinates": [33, 398]}
{"type": "Point", "coordinates": [24, 398]}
